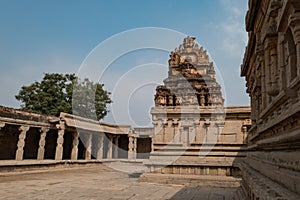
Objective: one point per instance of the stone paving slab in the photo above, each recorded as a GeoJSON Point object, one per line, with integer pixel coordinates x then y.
{"type": "Point", "coordinates": [98, 182]}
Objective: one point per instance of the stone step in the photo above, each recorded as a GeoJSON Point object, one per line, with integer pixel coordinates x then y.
{"type": "Point", "coordinates": [191, 180]}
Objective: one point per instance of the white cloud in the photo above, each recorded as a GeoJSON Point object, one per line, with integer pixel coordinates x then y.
{"type": "Point", "coordinates": [235, 38]}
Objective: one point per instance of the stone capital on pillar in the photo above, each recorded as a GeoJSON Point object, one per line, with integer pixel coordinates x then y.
{"type": "Point", "coordinates": [42, 143]}
{"type": "Point", "coordinates": [21, 142]}
{"type": "Point", "coordinates": [60, 140]}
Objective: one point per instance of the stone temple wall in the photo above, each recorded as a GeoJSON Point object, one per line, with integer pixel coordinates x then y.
{"type": "Point", "coordinates": [272, 69]}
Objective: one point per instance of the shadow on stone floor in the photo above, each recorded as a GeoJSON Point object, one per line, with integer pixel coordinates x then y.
{"type": "Point", "coordinates": [199, 193]}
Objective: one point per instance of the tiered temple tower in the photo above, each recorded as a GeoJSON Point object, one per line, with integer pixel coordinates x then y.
{"type": "Point", "coordinates": [191, 80]}
{"type": "Point", "coordinates": [193, 132]}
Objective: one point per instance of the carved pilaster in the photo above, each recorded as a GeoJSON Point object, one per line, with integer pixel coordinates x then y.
{"type": "Point", "coordinates": [42, 143]}
{"type": "Point", "coordinates": [75, 143]}
{"type": "Point", "coordinates": [60, 140]}
{"type": "Point", "coordinates": [21, 143]}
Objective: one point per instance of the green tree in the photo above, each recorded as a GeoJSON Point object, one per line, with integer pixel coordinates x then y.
{"type": "Point", "coordinates": [65, 93]}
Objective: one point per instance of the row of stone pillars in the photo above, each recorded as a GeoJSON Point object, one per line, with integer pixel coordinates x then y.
{"type": "Point", "coordinates": [112, 147]}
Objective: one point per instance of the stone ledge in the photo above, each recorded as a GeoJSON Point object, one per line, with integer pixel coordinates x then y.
{"type": "Point", "coordinates": [11, 166]}
{"type": "Point", "coordinates": [191, 180]}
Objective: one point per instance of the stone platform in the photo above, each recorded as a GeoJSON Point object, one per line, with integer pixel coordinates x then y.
{"type": "Point", "coordinates": [97, 182]}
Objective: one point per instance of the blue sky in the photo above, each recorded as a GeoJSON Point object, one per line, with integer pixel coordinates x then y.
{"type": "Point", "coordinates": [56, 36]}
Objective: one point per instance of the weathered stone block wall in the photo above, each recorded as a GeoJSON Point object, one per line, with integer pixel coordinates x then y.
{"type": "Point", "coordinates": [271, 66]}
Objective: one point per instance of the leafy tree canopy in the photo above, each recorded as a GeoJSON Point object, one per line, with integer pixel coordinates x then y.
{"type": "Point", "coordinates": [65, 93]}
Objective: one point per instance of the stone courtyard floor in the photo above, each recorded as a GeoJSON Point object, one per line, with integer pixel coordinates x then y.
{"type": "Point", "coordinates": [98, 182]}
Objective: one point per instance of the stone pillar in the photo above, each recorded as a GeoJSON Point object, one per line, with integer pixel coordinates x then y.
{"type": "Point", "coordinates": [21, 142]}
{"type": "Point", "coordinates": [110, 146]}
{"type": "Point", "coordinates": [116, 146]}
{"type": "Point", "coordinates": [42, 142]}
{"type": "Point", "coordinates": [60, 140]}
{"type": "Point", "coordinates": [132, 147]}
{"type": "Point", "coordinates": [100, 147]}
{"type": "Point", "coordinates": [74, 152]}
{"type": "Point", "coordinates": [88, 143]}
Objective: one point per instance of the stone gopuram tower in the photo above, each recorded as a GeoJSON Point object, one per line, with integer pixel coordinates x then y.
{"type": "Point", "coordinates": [191, 80]}
{"type": "Point", "coordinates": [191, 135]}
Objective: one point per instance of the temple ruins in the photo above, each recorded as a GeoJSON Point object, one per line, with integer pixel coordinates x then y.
{"type": "Point", "coordinates": [195, 138]}
{"type": "Point", "coordinates": [194, 133]}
